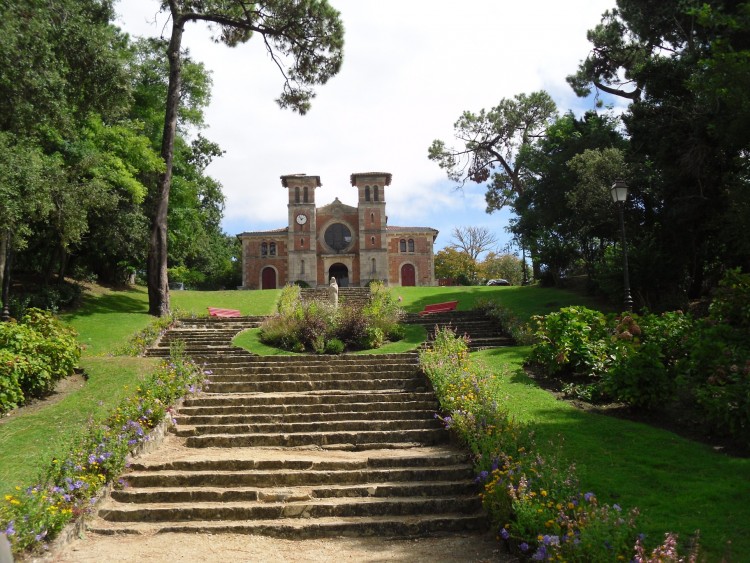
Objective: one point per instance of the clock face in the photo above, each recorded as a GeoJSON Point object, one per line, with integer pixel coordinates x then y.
{"type": "Point", "coordinates": [301, 219]}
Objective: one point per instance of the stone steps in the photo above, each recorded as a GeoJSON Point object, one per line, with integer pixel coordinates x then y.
{"type": "Point", "coordinates": [299, 528]}
{"type": "Point", "coordinates": [298, 447]}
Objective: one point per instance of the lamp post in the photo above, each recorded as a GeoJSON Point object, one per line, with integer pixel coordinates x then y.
{"type": "Point", "coordinates": [619, 192]}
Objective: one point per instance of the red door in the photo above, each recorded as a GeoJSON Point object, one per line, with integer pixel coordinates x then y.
{"type": "Point", "coordinates": [408, 277]}
{"type": "Point", "coordinates": [268, 278]}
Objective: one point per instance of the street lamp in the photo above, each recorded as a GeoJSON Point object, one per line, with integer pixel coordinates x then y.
{"type": "Point", "coordinates": [619, 195]}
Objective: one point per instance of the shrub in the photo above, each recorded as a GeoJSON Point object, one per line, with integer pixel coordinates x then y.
{"type": "Point", "coordinates": [38, 351]}
{"type": "Point", "coordinates": [334, 346]}
{"type": "Point", "coordinates": [573, 341]}
{"type": "Point", "coordinates": [311, 326]}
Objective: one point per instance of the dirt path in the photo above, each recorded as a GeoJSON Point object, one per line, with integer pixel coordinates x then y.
{"type": "Point", "coordinates": [235, 548]}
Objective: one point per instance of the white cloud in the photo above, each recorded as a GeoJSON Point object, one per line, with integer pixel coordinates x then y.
{"type": "Point", "coordinates": [410, 69]}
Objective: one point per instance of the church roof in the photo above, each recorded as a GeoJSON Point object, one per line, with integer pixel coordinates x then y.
{"type": "Point", "coordinates": [387, 175]}
{"type": "Point", "coordinates": [393, 228]}
{"type": "Point", "coordinates": [266, 233]}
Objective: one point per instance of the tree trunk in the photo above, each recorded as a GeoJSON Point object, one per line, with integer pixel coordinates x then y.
{"type": "Point", "coordinates": [158, 282]}
{"type": "Point", "coordinates": [4, 241]}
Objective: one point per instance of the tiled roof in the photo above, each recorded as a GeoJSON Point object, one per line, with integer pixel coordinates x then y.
{"type": "Point", "coordinates": [271, 232]}
{"type": "Point", "coordinates": [387, 175]}
{"type": "Point", "coordinates": [392, 228]}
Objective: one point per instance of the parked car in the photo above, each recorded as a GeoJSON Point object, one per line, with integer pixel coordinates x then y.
{"type": "Point", "coordinates": [498, 282]}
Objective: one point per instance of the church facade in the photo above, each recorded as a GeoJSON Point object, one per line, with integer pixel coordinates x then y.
{"type": "Point", "coordinates": [355, 245]}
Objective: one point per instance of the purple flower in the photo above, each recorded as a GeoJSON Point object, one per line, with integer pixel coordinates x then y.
{"type": "Point", "coordinates": [504, 534]}
{"type": "Point", "coordinates": [524, 547]}
{"type": "Point", "coordinates": [481, 477]}
{"type": "Point", "coordinates": [589, 496]}
{"type": "Point", "coordinates": [10, 530]}
{"type": "Point", "coordinates": [41, 535]}
{"type": "Point", "coordinates": [540, 554]}
{"type": "Point", "coordinates": [617, 507]}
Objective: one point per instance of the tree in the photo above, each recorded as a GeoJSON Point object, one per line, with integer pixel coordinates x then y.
{"type": "Point", "coordinates": [504, 266]}
{"type": "Point", "coordinates": [308, 32]}
{"type": "Point", "coordinates": [60, 62]}
{"type": "Point", "coordinates": [494, 145]}
{"type": "Point", "coordinates": [472, 241]}
{"type": "Point", "coordinates": [566, 224]}
{"type": "Point", "coordinates": [683, 67]}
{"type": "Point", "coordinates": [457, 266]}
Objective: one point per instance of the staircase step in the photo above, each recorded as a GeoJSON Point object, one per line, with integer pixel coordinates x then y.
{"type": "Point", "coordinates": [297, 528]}
{"type": "Point", "coordinates": [243, 494]}
{"type": "Point", "coordinates": [353, 439]}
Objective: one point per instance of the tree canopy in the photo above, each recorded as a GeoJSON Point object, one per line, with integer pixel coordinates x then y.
{"type": "Point", "coordinates": [304, 38]}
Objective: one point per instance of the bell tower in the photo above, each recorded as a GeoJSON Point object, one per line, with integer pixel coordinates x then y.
{"type": "Point", "coordinates": [302, 227]}
{"type": "Point", "coordinates": [373, 249]}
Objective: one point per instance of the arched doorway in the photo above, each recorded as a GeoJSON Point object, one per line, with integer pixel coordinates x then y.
{"type": "Point", "coordinates": [268, 278]}
{"type": "Point", "coordinates": [340, 272]}
{"type": "Point", "coordinates": [408, 275]}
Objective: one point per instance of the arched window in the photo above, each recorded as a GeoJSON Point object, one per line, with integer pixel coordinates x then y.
{"type": "Point", "coordinates": [264, 249]}
{"type": "Point", "coordinates": [372, 218]}
{"type": "Point", "coordinates": [411, 245]}
{"type": "Point", "coordinates": [302, 242]}
{"type": "Point", "coordinates": [302, 267]}
{"type": "Point", "coordinates": [304, 195]}
{"type": "Point", "coordinates": [402, 245]}
{"type": "Point", "coordinates": [372, 240]}
{"type": "Point", "coordinates": [376, 193]}
{"type": "Point", "coordinates": [296, 194]}
{"type": "Point", "coordinates": [272, 249]}
{"type": "Point", "coordinates": [374, 269]}
{"type": "Point", "coordinates": [367, 193]}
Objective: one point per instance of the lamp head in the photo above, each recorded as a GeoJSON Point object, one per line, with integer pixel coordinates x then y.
{"type": "Point", "coordinates": [619, 191]}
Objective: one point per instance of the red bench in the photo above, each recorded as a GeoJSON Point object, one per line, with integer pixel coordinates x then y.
{"type": "Point", "coordinates": [439, 308]}
{"type": "Point", "coordinates": [216, 312]}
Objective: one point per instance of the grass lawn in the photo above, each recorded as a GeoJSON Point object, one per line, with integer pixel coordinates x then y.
{"type": "Point", "coordinates": [30, 438]}
{"type": "Point", "coordinates": [525, 301]}
{"type": "Point", "coordinates": [679, 485]}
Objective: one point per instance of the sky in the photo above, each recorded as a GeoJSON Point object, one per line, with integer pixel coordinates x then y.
{"type": "Point", "coordinates": [411, 67]}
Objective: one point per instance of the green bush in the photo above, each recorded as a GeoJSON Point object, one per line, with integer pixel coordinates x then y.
{"type": "Point", "coordinates": [652, 361]}
{"type": "Point", "coordinates": [573, 342]}
{"type": "Point", "coordinates": [38, 351]}
{"type": "Point", "coordinates": [312, 326]}
{"type": "Point", "coordinates": [334, 346]}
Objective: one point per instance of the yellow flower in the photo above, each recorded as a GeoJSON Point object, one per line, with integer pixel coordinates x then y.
{"type": "Point", "coordinates": [544, 493]}
{"type": "Point", "coordinates": [8, 497]}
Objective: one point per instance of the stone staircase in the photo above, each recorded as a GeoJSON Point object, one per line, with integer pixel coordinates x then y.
{"type": "Point", "coordinates": [204, 336]}
{"type": "Point", "coordinates": [354, 296]}
{"type": "Point", "coordinates": [298, 447]}
{"type": "Point", "coordinates": [482, 331]}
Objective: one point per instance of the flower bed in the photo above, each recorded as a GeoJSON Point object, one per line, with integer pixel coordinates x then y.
{"type": "Point", "coordinates": [32, 514]}
{"type": "Point", "coordinates": [534, 501]}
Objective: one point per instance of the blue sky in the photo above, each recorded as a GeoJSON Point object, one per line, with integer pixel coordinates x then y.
{"type": "Point", "coordinates": [411, 67]}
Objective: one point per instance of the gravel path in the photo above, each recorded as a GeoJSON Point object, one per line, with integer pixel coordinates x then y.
{"type": "Point", "coordinates": [235, 548]}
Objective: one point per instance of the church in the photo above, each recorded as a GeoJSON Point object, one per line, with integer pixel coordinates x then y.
{"type": "Point", "coordinates": [355, 245]}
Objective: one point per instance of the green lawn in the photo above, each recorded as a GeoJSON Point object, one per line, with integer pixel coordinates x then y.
{"type": "Point", "coordinates": [28, 439]}
{"type": "Point", "coordinates": [679, 485]}
{"type": "Point", "coordinates": [525, 301]}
